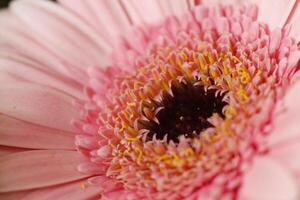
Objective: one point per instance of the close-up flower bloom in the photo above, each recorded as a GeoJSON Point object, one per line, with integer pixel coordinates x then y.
{"type": "Point", "coordinates": [150, 100]}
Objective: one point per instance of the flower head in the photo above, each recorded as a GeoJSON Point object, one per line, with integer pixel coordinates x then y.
{"type": "Point", "coordinates": [186, 106]}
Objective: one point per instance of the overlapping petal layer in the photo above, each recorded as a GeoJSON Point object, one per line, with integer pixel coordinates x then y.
{"type": "Point", "coordinates": [49, 94]}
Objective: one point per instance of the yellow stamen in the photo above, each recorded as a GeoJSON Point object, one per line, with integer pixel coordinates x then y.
{"type": "Point", "coordinates": [131, 139]}
{"type": "Point", "coordinates": [189, 152]}
{"type": "Point", "coordinates": [131, 104]}
{"type": "Point", "coordinates": [163, 158]}
{"type": "Point", "coordinates": [210, 58]}
{"type": "Point", "coordinates": [203, 66]}
{"type": "Point", "coordinates": [140, 154]}
{"type": "Point", "coordinates": [236, 59]}
{"type": "Point", "coordinates": [242, 94]}
{"type": "Point", "coordinates": [185, 57]}
{"type": "Point", "coordinates": [177, 159]}
{"type": "Point", "coordinates": [226, 69]}
{"type": "Point", "coordinates": [132, 131]}
{"type": "Point", "coordinates": [229, 112]}
{"type": "Point", "coordinates": [165, 84]}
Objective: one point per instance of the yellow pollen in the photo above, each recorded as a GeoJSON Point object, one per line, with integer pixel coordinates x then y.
{"type": "Point", "coordinates": [185, 57]}
{"type": "Point", "coordinates": [214, 73]}
{"type": "Point", "coordinates": [141, 95]}
{"type": "Point", "coordinates": [137, 84]}
{"type": "Point", "coordinates": [241, 70]}
{"type": "Point", "coordinates": [127, 151]}
{"type": "Point", "coordinates": [228, 81]}
{"type": "Point", "coordinates": [131, 139]}
{"type": "Point", "coordinates": [122, 128]}
{"type": "Point", "coordinates": [179, 61]}
{"type": "Point", "coordinates": [223, 55]}
{"type": "Point", "coordinates": [132, 131]}
{"type": "Point", "coordinates": [165, 84]}
{"type": "Point", "coordinates": [171, 73]}
{"type": "Point", "coordinates": [203, 66]}
{"type": "Point", "coordinates": [140, 154]}
{"type": "Point", "coordinates": [210, 59]}
{"type": "Point", "coordinates": [242, 94]}
{"type": "Point", "coordinates": [208, 138]}
{"type": "Point", "coordinates": [244, 75]}
{"type": "Point", "coordinates": [258, 73]}
{"type": "Point", "coordinates": [215, 137]}
{"type": "Point", "coordinates": [236, 59]}
{"type": "Point", "coordinates": [124, 114]}
{"type": "Point", "coordinates": [245, 78]}
{"type": "Point", "coordinates": [177, 159]}
{"type": "Point", "coordinates": [131, 94]}
{"type": "Point", "coordinates": [188, 72]}
{"type": "Point", "coordinates": [163, 158]}
{"type": "Point", "coordinates": [120, 154]}
{"type": "Point", "coordinates": [161, 67]}
{"type": "Point", "coordinates": [205, 80]}
{"type": "Point", "coordinates": [226, 70]}
{"type": "Point", "coordinates": [131, 104]}
{"type": "Point", "coordinates": [189, 152]}
{"type": "Point", "coordinates": [230, 112]}
{"type": "Point", "coordinates": [148, 112]}
{"type": "Point", "coordinates": [227, 128]}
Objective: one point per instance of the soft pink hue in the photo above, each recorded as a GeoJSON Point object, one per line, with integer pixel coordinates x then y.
{"type": "Point", "coordinates": [54, 75]}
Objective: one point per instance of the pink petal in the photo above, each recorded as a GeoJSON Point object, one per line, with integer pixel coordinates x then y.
{"type": "Point", "coordinates": [7, 78]}
{"type": "Point", "coordinates": [13, 195]}
{"type": "Point", "coordinates": [38, 168]}
{"type": "Point", "coordinates": [166, 7]}
{"type": "Point", "coordinates": [268, 12]}
{"type": "Point", "coordinates": [146, 11]}
{"type": "Point", "coordinates": [287, 146]}
{"type": "Point", "coordinates": [89, 168]}
{"type": "Point", "coordinates": [16, 39]}
{"type": "Point", "coordinates": [212, 2]}
{"type": "Point", "coordinates": [81, 8]}
{"type": "Point", "coordinates": [275, 39]}
{"type": "Point", "coordinates": [38, 104]}
{"type": "Point", "coordinates": [293, 21]}
{"type": "Point", "coordinates": [191, 3]}
{"type": "Point", "coordinates": [17, 133]}
{"type": "Point", "coordinates": [286, 121]}
{"type": "Point", "coordinates": [178, 7]}
{"type": "Point", "coordinates": [110, 21]}
{"type": "Point", "coordinates": [78, 190]}
{"type": "Point", "coordinates": [115, 195]}
{"type": "Point", "coordinates": [268, 180]}
{"type": "Point", "coordinates": [62, 33]}
{"type": "Point", "coordinates": [4, 150]}
{"type": "Point", "coordinates": [288, 156]}
{"type": "Point", "coordinates": [20, 66]}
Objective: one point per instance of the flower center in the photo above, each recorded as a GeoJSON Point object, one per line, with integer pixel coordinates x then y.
{"type": "Point", "coordinates": [184, 105]}
{"type": "Point", "coordinates": [184, 112]}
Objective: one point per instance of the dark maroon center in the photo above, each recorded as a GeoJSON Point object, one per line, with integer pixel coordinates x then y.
{"type": "Point", "coordinates": [185, 112]}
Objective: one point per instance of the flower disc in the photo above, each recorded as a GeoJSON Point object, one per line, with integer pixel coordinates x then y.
{"type": "Point", "coordinates": [189, 102]}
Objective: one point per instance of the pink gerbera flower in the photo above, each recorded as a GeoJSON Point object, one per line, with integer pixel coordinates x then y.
{"type": "Point", "coordinates": [151, 99]}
